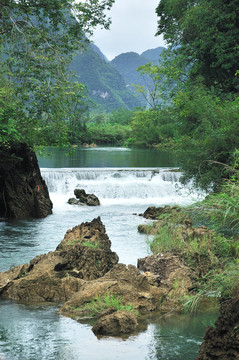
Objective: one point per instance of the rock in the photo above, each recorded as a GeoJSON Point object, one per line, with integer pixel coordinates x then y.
{"type": "Point", "coordinates": [89, 234]}
{"type": "Point", "coordinates": [23, 192]}
{"type": "Point", "coordinates": [85, 199]}
{"type": "Point", "coordinates": [56, 276]}
{"type": "Point", "coordinates": [173, 275]}
{"type": "Point", "coordinates": [153, 212]}
{"type": "Point", "coordinates": [150, 229]}
{"type": "Point", "coordinates": [40, 282]}
{"type": "Point", "coordinates": [123, 281]}
{"type": "Point", "coordinates": [120, 322]}
{"type": "Point", "coordinates": [7, 277]}
{"type": "Point", "coordinates": [73, 201]}
{"type": "Point", "coordinates": [222, 341]}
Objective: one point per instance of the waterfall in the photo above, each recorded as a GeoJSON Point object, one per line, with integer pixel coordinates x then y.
{"type": "Point", "coordinates": [123, 184]}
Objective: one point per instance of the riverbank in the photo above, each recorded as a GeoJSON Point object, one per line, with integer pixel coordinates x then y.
{"type": "Point", "coordinates": [212, 254]}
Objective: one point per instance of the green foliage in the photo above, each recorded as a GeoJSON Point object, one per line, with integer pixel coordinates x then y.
{"type": "Point", "coordinates": [11, 115]}
{"type": "Point", "coordinates": [152, 127]}
{"type": "Point", "coordinates": [214, 284]}
{"type": "Point", "coordinates": [213, 256]}
{"type": "Point", "coordinates": [105, 134]}
{"type": "Point", "coordinates": [221, 209]}
{"type": "Point", "coordinates": [105, 302]}
{"type": "Point", "coordinates": [144, 128]}
{"type": "Point", "coordinates": [210, 248]}
{"type": "Point", "coordinates": [122, 116]}
{"type": "Point", "coordinates": [209, 135]}
{"type": "Point", "coordinates": [206, 34]}
{"type": "Point", "coordinates": [90, 244]}
{"type": "Point", "coordinates": [38, 41]}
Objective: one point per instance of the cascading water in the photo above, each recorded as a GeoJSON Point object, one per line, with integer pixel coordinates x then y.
{"type": "Point", "coordinates": [137, 186]}
{"type": "Point", "coordinates": [123, 193]}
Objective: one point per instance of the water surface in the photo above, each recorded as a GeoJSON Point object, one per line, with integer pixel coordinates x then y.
{"type": "Point", "coordinates": [127, 182]}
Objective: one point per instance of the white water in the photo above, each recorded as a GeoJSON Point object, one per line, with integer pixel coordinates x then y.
{"type": "Point", "coordinates": [118, 186]}
{"type": "Point", "coordinates": [123, 193]}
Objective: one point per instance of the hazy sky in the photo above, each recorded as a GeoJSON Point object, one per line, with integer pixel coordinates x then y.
{"type": "Point", "coordinates": [133, 28]}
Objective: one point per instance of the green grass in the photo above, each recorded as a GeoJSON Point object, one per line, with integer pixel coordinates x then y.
{"type": "Point", "coordinates": [213, 256]}
{"type": "Point", "coordinates": [90, 244]}
{"type": "Point", "coordinates": [221, 210]}
{"type": "Point", "coordinates": [103, 303]}
{"type": "Point", "coordinates": [214, 284]}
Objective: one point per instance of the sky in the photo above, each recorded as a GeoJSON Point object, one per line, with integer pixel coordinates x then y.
{"type": "Point", "coordinates": [133, 28]}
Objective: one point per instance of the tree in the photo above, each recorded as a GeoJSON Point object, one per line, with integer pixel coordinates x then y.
{"type": "Point", "coordinates": [38, 41]}
{"type": "Point", "coordinates": [206, 32]}
{"type": "Point", "coordinates": [151, 92]}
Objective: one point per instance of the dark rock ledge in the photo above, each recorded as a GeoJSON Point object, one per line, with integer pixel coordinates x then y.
{"type": "Point", "coordinates": [23, 192]}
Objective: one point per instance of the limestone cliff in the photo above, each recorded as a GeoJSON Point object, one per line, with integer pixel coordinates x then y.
{"type": "Point", "coordinates": [23, 192]}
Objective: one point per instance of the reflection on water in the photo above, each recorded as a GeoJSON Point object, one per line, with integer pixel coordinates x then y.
{"type": "Point", "coordinates": [107, 157]}
{"type": "Point", "coordinates": [38, 332]}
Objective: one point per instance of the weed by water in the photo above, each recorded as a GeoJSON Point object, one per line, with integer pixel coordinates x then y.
{"type": "Point", "coordinates": [105, 302]}
{"type": "Point", "coordinates": [214, 285]}
{"type": "Point", "coordinates": [221, 210]}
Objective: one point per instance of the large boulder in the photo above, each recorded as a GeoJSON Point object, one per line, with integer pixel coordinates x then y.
{"type": "Point", "coordinates": [84, 199]}
{"type": "Point", "coordinates": [89, 234]}
{"type": "Point", "coordinates": [23, 192]}
{"type": "Point", "coordinates": [118, 323]}
{"type": "Point", "coordinates": [222, 341]}
{"type": "Point", "coordinates": [84, 254]}
{"type": "Point", "coordinates": [39, 281]}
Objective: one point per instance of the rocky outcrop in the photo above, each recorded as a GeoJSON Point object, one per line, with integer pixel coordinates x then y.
{"type": "Point", "coordinates": [120, 322]}
{"type": "Point", "coordinates": [152, 212]}
{"type": "Point", "coordinates": [83, 270]}
{"type": "Point", "coordinates": [140, 291]}
{"type": "Point", "coordinates": [84, 199]}
{"type": "Point", "coordinates": [84, 254]}
{"type": "Point", "coordinates": [40, 282]}
{"type": "Point", "coordinates": [89, 234]}
{"type": "Point", "coordinates": [23, 192]}
{"type": "Point", "coordinates": [222, 341]}
{"type": "Point", "coordinates": [173, 275]}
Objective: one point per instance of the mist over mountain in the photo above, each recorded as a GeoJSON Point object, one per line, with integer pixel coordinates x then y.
{"type": "Point", "coordinates": [128, 63]}
{"type": "Point", "coordinates": [105, 84]}
{"type": "Point", "coordinates": [153, 54]}
{"type": "Point", "coordinates": [108, 82]}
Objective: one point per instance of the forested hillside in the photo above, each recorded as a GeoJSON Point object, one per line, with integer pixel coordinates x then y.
{"type": "Point", "coordinates": [106, 86]}
{"type": "Point", "coordinates": [128, 63]}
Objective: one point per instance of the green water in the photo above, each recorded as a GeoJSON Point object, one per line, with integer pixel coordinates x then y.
{"type": "Point", "coordinates": [107, 157]}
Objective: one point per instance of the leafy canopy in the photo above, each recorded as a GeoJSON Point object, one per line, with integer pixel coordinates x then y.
{"type": "Point", "coordinates": [38, 39]}
{"type": "Point", "coordinates": [206, 32]}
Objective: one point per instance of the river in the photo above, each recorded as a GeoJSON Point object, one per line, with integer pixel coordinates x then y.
{"type": "Point", "coordinates": [126, 181]}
